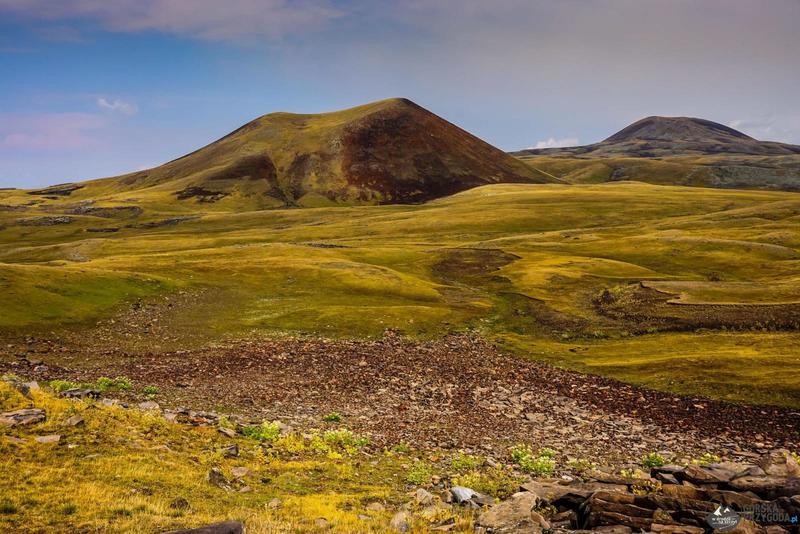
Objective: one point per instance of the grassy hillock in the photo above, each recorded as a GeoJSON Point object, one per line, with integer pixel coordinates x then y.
{"type": "Point", "coordinates": [724, 171]}
{"type": "Point", "coordinates": [690, 290]}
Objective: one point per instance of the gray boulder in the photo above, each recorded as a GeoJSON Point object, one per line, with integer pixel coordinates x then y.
{"type": "Point", "coordinates": [26, 416]}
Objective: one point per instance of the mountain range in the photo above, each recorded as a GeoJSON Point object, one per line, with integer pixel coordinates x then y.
{"type": "Point", "coordinates": [396, 152]}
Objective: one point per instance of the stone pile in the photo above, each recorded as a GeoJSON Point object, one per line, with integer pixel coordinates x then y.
{"type": "Point", "coordinates": [765, 497]}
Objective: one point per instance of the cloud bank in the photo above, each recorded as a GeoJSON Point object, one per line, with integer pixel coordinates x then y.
{"type": "Point", "coordinates": [552, 142]}
{"type": "Point", "coordinates": [205, 19]}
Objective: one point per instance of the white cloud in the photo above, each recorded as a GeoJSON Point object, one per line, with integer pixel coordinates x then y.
{"type": "Point", "coordinates": [784, 128]}
{"type": "Point", "coordinates": [205, 19]}
{"type": "Point", "coordinates": [117, 106]}
{"type": "Point", "coordinates": [552, 142]}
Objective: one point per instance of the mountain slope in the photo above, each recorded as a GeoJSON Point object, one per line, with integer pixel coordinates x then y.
{"type": "Point", "coordinates": [387, 152]}
{"type": "Point", "coordinates": [672, 136]}
{"type": "Point", "coordinates": [675, 151]}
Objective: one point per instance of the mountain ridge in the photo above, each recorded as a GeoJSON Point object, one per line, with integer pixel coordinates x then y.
{"type": "Point", "coordinates": [658, 136]}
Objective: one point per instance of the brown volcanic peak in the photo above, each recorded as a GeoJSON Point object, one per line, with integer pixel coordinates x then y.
{"type": "Point", "coordinates": [392, 151]}
{"type": "Point", "coordinates": [672, 136]}
{"type": "Point", "coordinates": [677, 129]}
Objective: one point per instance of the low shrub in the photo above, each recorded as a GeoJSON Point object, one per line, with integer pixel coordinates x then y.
{"type": "Point", "coordinates": [264, 432]}
{"type": "Point", "coordinates": [495, 481]}
{"type": "Point", "coordinates": [463, 463]}
{"type": "Point", "coordinates": [653, 459]}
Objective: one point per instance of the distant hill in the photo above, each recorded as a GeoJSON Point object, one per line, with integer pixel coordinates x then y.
{"type": "Point", "coordinates": [676, 151]}
{"type": "Point", "coordinates": [387, 152]}
{"type": "Point", "coordinates": [672, 136]}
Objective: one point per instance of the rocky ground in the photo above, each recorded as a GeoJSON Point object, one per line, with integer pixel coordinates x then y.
{"type": "Point", "coordinates": [458, 392]}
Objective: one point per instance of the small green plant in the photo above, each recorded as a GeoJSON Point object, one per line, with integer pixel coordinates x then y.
{"type": "Point", "coordinates": [707, 459]}
{"type": "Point", "coordinates": [547, 452]}
{"type": "Point", "coordinates": [419, 474]}
{"type": "Point", "coordinates": [59, 386]}
{"type": "Point", "coordinates": [345, 439]}
{"type": "Point", "coordinates": [647, 487]}
{"type": "Point", "coordinates": [120, 383]}
{"type": "Point", "coordinates": [225, 422]}
{"type": "Point", "coordinates": [264, 432]}
{"type": "Point", "coordinates": [539, 465]}
{"type": "Point", "coordinates": [542, 463]}
{"type": "Point", "coordinates": [632, 473]}
{"type": "Point", "coordinates": [150, 391]}
{"type": "Point", "coordinates": [7, 508]}
{"type": "Point", "coordinates": [290, 444]}
{"type": "Point", "coordinates": [69, 509]}
{"type": "Point", "coordinates": [333, 417]}
{"type": "Point", "coordinates": [495, 481]}
{"type": "Point", "coordinates": [123, 383]}
{"type": "Point", "coordinates": [653, 459]}
{"type": "Point", "coordinates": [796, 456]}
{"type": "Point", "coordinates": [401, 448]}
{"type": "Point", "coordinates": [581, 465]}
{"type": "Point", "coordinates": [518, 452]}
{"type": "Point", "coordinates": [545, 510]}
{"type": "Point", "coordinates": [463, 463]}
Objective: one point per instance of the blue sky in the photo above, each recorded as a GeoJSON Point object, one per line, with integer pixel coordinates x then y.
{"type": "Point", "coordinates": [92, 88]}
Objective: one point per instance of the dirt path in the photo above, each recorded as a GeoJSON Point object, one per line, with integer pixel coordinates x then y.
{"type": "Point", "coordinates": [458, 392]}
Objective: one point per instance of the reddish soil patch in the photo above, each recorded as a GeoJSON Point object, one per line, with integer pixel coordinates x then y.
{"type": "Point", "coordinates": [457, 392]}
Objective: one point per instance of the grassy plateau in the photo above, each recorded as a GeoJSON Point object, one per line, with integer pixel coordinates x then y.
{"type": "Point", "coordinates": [689, 290]}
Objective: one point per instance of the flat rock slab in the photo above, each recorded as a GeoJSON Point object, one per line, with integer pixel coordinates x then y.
{"type": "Point", "coordinates": [27, 416]}
{"type": "Point", "coordinates": [226, 527]}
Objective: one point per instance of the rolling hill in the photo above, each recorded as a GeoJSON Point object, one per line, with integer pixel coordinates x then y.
{"type": "Point", "coordinates": [675, 151]}
{"type": "Point", "coordinates": [387, 152]}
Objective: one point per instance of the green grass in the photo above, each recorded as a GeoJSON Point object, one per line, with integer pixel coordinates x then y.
{"type": "Point", "coordinates": [122, 469]}
{"type": "Point", "coordinates": [520, 264]}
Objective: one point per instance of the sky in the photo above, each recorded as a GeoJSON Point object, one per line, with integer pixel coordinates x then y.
{"type": "Point", "coordinates": [92, 88]}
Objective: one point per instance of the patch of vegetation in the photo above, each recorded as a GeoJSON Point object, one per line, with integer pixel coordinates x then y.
{"type": "Point", "coordinates": [647, 487]}
{"type": "Point", "coordinates": [60, 386]}
{"type": "Point", "coordinates": [653, 459]}
{"type": "Point", "coordinates": [707, 459]}
{"type": "Point", "coordinates": [122, 480]}
{"type": "Point", "coordinates": [345, 439]}
{"type": "Point", "coordinates": [496, 481]}
{"type": "Point", "coordinates": [419, 474]}
{"type": "Point", "coordinates": [120, 383]}
{"type": "Point", "coordinates": [333, 417]}
{"type": "Point", "coordinates": [401, 448]}
{"type": "Point", "coordinates": [261, 275]}
{"type": "Point", "coordinates": [541, 463]}
{"type": "Point", "coordinates": [463, 463]}
{"type": "Point", "coordinates": [266, 431]}
{"type": "Point", "coordinates": [581, 465]}
{"type": "Point", "coordinates": [633, 474]}
{"type": "Point", "coordinates": [150, 391]}
{"type": "Point", "coordinates": [68, 509]}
